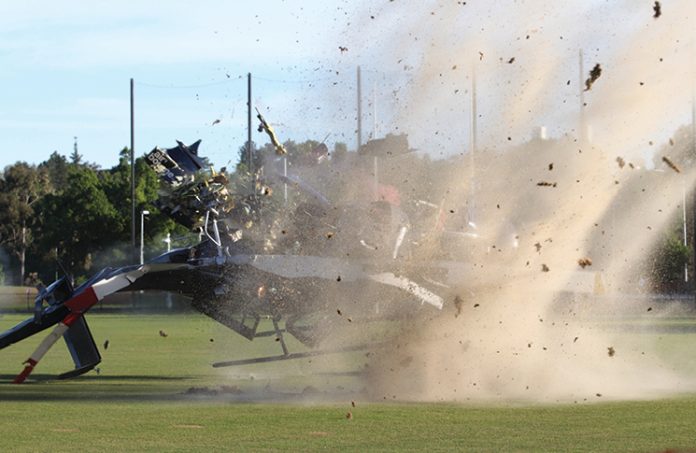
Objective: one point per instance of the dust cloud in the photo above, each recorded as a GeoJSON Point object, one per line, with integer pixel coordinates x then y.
{"type": "Point", "coordinates": [531, 323]}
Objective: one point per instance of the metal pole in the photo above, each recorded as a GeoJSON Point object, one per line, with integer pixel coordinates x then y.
{"type": "Point", "coordinates": [285, 181]}
{"type": "Point", "coordinates": [474, 147]}
{"type": "Point", "coordinates": [474, 115]}
{"type": "Point", "coordinates": [582, 133]}
{"type": "Point", "coordinates": [374, 110]}
{"type": "Point", "coordinates": [693, 151]}
{"type": "Point", "coordinates": [376, 169]}
{"type": "Point", "coordinates": [686, 265]}
{"type": "Point", "coordinates": [249, 151]}
{"type": "Point", "coordinates": [359, 110]}
{"type": "Point", "coordinates": [132, 163]}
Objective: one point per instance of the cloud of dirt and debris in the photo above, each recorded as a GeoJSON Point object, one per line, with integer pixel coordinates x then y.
{"type": "Point", "coordinates": [529, 321]}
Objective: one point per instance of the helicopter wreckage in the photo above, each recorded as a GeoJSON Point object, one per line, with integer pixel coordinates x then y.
{"type": "Point", "coordinates": [234, 276]}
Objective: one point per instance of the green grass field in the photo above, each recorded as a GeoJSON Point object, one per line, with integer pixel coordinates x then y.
{"type": "Point", "coordinates": [140, 401]}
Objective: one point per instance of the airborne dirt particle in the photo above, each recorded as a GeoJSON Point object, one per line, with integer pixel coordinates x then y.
{"type": "Point", "coordinates": [547, 184]}
{"type": "Point", "coordinates": [163, 334]}
{"type": "Point", "coordinates": [458, 305]}
{"type": "Point", "coordinates": [657, 10]}
{"type": "Point", "coordinates": [670, 164]}
{"type": "Point", "coordinates": [544, 268]}
{"type": "Point", "coordinates": [594, 75]}
{"type": "Point", "coordinates": [611, 351]}
{"type": "Point", "coordinates": [584, 262]}
{"type": "Point", "coordinates": [621, 162]}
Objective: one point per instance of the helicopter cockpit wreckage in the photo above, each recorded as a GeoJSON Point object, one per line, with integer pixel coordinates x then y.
{"type": "Point", "coordinates": [252, 263]}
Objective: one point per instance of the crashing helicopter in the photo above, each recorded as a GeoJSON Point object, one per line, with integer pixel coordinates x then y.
{"type": "Point", "coordinates": [249, 264]}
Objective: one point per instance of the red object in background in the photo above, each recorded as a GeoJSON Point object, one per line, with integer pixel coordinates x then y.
{"type": "Point", "coordinates": [388, 193]}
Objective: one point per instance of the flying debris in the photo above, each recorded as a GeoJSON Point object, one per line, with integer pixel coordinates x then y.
{"type": "Point", "coordinates": [670, 164]}
{"type": "Point", "coordinates": [584, 262]}
{"type": "Point", "coordinates": [657, 9]}
{"type": "Point", "coordinates": [265, 127]}
{"type": "Point", "coordinates": [594, 75]}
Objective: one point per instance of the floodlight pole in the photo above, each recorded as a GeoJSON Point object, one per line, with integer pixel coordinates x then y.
{"type": "Point", "coordinates": [582, 133]}
{"type": "Point", "coordinates": [359, 111]}
{"type": "Point", "coordinates": [693, 154]}
{"type": "Point", "coordinates": [474, 146]}
{"type": "Point", "coordinates": [249, 151]}
{"type": "Point", "coordinates": [132, 164]}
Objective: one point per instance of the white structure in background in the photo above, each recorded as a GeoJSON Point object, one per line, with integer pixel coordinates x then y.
{"type": "Point", "coordinates": [142, 235]}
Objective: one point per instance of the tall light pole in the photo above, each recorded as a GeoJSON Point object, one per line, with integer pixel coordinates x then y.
{"type": "Point", "coordinates": [132, 164]}
{"type": "Point", "coordinates": [359, 131]}
{"type": "Point", "coordinates": [143, 213]}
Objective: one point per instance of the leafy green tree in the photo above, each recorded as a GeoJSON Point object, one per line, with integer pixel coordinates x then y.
{"type": "Point", "coordinates": [79, 221]}
{"type": "Point", "coordinates": [21, 187]}
{"type": "Point", "coordinates": [57, 168]}
{"type": "Point", "coordinates": [668, 265]}
{"type": "Point", "coordinates": [115, 183]}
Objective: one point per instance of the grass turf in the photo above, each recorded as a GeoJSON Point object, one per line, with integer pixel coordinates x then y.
{"type": "Point", "coordinates": [139, 402]}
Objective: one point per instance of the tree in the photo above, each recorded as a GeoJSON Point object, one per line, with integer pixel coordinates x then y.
{"type": "Point", "coordinates": [57, 168]}
{"type": "Point", "coordinates": [339, 152]}
{"type": "Point", "coordinates": [668, 265]}
{"type": "Point", "coordinates": [116, 185]}
{"type": "Point", "coordinates": [21, 186]}
{"type": "Point", "coordinates": [79, 221]}
{"type": "Point", "coordinates": [75, 157]}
